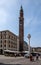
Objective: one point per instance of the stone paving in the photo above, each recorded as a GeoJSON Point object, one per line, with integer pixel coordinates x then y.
{"type": "Point", "coordinates": [17, 61]}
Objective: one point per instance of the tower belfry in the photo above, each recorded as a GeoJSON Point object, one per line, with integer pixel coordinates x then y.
{"type": "Point", "coordinates": [21, 30]}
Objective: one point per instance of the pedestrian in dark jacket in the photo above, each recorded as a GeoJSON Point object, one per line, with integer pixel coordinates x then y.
{"type": "Point", "coordinates": [37, 56]}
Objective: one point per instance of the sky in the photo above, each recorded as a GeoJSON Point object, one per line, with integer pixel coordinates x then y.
{"type": "Point", "coordinates": [9, 18]}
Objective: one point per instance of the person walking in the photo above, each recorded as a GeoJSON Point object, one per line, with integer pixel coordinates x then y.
{"type": "Point", "coordinates": [30, 57]}
{"type": "Point", "coordinates": [37, 57]}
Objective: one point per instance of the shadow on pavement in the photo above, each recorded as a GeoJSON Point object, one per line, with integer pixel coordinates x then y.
{"type": "Point", "coordinates": [9, 64]}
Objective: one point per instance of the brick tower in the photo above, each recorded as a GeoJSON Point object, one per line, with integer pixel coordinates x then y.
{"type": "Point", "coordinates": [21, 30]}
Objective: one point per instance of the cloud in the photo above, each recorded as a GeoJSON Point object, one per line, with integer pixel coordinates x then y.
{"type": "Point", "coordinates": [3, 16]}
{"type": "Point", "coordinates": [6, 7]}
{"type": "Point", "coordinates": [7, 13]}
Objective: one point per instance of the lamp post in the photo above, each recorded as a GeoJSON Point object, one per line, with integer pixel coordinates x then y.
{"type": "Point", "coordinates": [29, 36]}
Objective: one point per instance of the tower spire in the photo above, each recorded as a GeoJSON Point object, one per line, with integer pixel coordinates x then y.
{"type": "Point", "coordinates": [21, 8]}
{"type": "Point", "coordinates": [21, 11]}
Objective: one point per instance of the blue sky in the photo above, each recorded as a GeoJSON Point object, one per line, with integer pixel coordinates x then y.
{"type": "Point", "coordinates": [9, 18]}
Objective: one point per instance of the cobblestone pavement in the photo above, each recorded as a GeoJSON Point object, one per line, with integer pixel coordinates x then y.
{"type": "Point", "coordinates": [17, 61]}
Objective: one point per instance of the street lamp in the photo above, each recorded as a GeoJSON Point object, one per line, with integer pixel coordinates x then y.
{"type": "Point", "coordinates": [29, 36]}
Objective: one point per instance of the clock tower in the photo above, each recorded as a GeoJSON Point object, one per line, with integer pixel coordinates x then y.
{"type": "Point", "coordinates": [21, 30]}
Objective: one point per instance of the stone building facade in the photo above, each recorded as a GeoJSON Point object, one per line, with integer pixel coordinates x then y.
{"type": "Point", "coordinates": [8, 41]}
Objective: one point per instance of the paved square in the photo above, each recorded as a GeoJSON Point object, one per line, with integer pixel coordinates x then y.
{"type": "Point", "coordinates": [17, 61]}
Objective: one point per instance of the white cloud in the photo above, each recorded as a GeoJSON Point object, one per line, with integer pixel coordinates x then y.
{"type": "Point", "coordinates": [5, 7]}
{"type": "Point", "coordinates": [3, 17]}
